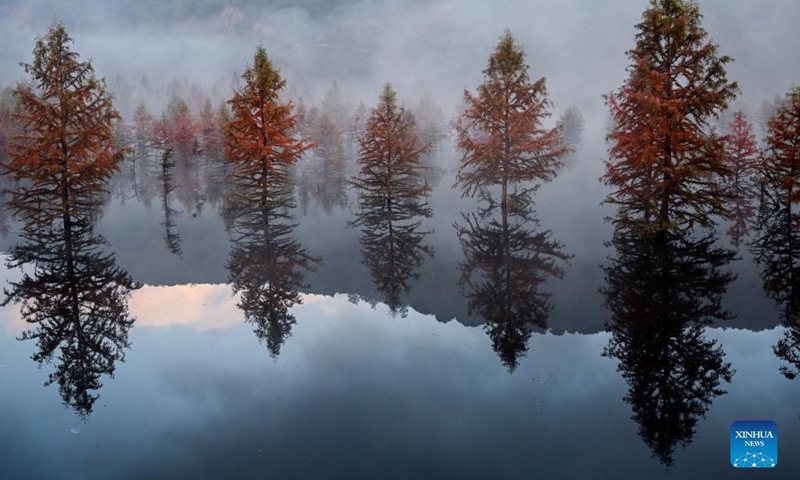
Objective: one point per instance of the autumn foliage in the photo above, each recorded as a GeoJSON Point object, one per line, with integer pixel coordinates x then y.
{"type": "Point", "coordinates": [67, 152]}
{"type": "Point", "coordinates": [742, 157]}
{"type": "Point", "coordinates": [258, 138]}
{"type": "Point", "coordinates": [782, 163]}
{"type": "Point", "coordinates": [390, 154]}
{"type": "Point", "coordinates": [667, 165]}
{"type": "Point", "coordinates": [501, 132]}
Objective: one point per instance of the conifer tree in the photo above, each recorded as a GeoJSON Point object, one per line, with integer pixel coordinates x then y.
{"type": "Point", "coordinates": [66, 152]}
{"type": "Point", "coordinates": [259, 137]}
{"type": "Point", "coordinates": [667, 164]}
{"type": "Point", "coordinates": [742, 156]}
{"type": "Point", "coordinates": [501, 131]}
{"type": "Point", "coordinates": [390, 157]}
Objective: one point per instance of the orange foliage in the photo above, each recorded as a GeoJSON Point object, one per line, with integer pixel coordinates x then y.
{"type": "Point", "coordinates": [258, 140]}
{"type": "Point", "coordinates": [67, 151]}
{"type": "Point", "coordinates": [501, 132]}
{"type": "Point", "coordinates": [666, 161]}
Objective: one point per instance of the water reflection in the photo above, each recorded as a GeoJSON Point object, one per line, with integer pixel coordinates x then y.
{"type": "Point", "coordinates": [663, 289]}
{"type": "Point", "coordinates": [776, 249]}
{"type": "Point", "coordinates": [75, 297]}
{"type": "Point", "coordinates": [267, 266]}
{"type": "Point", "coordinates": [508, 256]}
{"type": "Point", "coordinates": [393, 244]}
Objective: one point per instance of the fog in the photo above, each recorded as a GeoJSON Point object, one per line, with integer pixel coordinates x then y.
{"type": "Point", "coordinates": [435, 46]}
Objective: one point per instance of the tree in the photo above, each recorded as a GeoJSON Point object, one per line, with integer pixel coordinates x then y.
{"type": "Point", "coordinates": [742, 157]}
{"type": "Point", "coordinates": [776, 246]}
{"type": "Point", "coordinates": [66, 153]}
{"type": "Point", "coordinates": [782, 163]}
{"type": "Point", "coordinates": [258, 138]}
{"type": "Point", "coordinates": [501, 132]}
{"type": "Point", "coordinates": [663, 289]}
{"type": "Point", "coordinates": [666, 162]}
{"type": "Point", "coordinates": [184, 129]}
{"type": "Point", "coordinates": [390, 155]}
{"type": "Point", "coordinates": [392, 199]}
{"type": "Point", "coordinates": [142, 131]}
{"type": "Point", "coordinates": [331, 166]}
{"type": "Point", "coordinates": [508, 258]}
{"type": "Point", "coordinates": [572, 126]}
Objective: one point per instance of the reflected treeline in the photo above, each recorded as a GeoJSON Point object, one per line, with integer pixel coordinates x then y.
{"type": "Point", "coordinates": [663, 289]}
{"type": "Point", "coordinates": [74, 296]}
{"type": "Point", "coordinates": [508, 258]}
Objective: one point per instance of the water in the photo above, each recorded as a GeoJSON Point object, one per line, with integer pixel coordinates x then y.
{"type": "Point", "coordinates": [350, 382]}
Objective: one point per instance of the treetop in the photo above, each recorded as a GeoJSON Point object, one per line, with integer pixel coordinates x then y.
{"type": "Point", "coordinates": [263, 75]}
{"type": "Point", "coordinates": [508, 57]}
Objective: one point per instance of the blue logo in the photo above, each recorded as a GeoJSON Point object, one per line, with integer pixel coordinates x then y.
{"type": "Point", "coordinates": [754, 444]}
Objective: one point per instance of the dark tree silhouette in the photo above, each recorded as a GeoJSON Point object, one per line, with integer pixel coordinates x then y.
{"type": "Point", "coordinates": [776, 245]}
{"type": "Point", "coordinates": [507, 259]}
{"type": "Point", "coordinates": [75, 299]}
{"type": "Point", "coordinates": [663, 289]}
{"type": "Point", "coordinates": [267, 266]}
{"type": "Point", "coordinates": [667, 165]}
{"type": "Point", "coordinates": [172, 239]}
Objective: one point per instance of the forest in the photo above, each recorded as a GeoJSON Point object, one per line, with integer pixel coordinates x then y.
{"type": "Point", "coordinates": [691, 181]}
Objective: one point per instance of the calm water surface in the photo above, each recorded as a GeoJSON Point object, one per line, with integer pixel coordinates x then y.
{"type": "Point", "coordinates": [247, 361]}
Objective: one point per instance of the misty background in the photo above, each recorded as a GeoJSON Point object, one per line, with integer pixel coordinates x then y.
{"type": "Point", "coordinates": [434, 46]}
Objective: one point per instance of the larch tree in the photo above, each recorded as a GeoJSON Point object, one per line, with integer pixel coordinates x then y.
{"type": "Point", "coordinates": [331, 166]}
{"type": "Point", "coordinates": [67, 152]}
{"type": "Point", "coordinates": [259, 140]}
{"type": "Point", "coordinates": [743, 157]}
{"type": "Point", "coordinates": [776, 246]}
{"type": "Point", "coordinates": [501, 131]}
{"type": "Point", "coordinates": [782, 156]}
{"type": "Point", "coordinates": [666, 164]}
{"type": "Point", "coordinates": [184, 129]}
{"type": "Point", "coordinates": [392, 199]}
{"type": "Point", "coordinates": [390, 154]}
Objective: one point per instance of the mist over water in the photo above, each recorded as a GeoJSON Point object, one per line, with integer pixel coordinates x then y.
{"type": "Point", "coordinates": [320, 327]}
{"type": "Point", "coordinates": [421, 46]}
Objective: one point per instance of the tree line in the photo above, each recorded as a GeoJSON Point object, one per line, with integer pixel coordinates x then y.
{"type": "Point", "coordinates": [672, 174]}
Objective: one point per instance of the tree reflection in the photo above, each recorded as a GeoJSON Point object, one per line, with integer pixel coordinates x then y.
{"type": "Point", "coordinates": [777, 240]}
{"type": "Point", "coordinates": [392, 244]}
{"type": "Point", "coordinates": [663, 289]}
{"type": "Point", "coordinates": [75, 298]}
{"type": "Point", "coordinates": [267, 266]}
{"type": "Point", "coordinates": [776, 248]}
{"type": "Point", "coordinates": [508, 256]}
